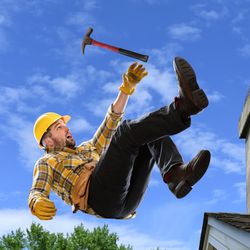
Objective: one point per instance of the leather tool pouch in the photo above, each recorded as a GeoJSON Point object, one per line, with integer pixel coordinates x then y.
{"type": "Point", "coordinates": [80, 191]}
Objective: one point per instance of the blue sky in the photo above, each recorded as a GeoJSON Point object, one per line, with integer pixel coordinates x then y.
{"type": "Point", "coordinates": [42, 69]}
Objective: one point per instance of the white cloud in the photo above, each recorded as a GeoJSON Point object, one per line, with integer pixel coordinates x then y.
{"type": "Point", "coordinates": [13, 108]}
{"type": "Point", "coordinates": [142, 241]}
{"type": "Point", "coordinates": [21, 131]}
{"type": "Point", "coordinates": [8, 10]}
{"type": "Point", "coordinates": [81, 18]}
{"type": "Point", "coordinates": [102, 107]}
{"type": "Point", "coordinates": [163, 82]}
{"type": "Point", "coordinates": [16, 100]}
{"type": "Point", "coordinates": [238, 20]}
{"type": "Point", "coordinates": [149, 2]}
{"type": "Point", "coordinates": [217, 196]}
{"type": "Point", "coordinates": [165, 54]}
{"type": "Point", "coordinates": [71, 50]}
{"type": "Point", "coordinates": [182, 216]}
{"type": "Point", "coordinates": [215, 97]}
{"type": "Point", "coordinates": [3, 41]}
{"type": "Point", "coordinates": [227, 156]}
{"type": "Point", "coordinates": [64, 87]}
{"type": "Point", "coordinates": [160, 81]}
{"type": "Point", "coordinates": [10, 221]}
{"type": "Point", "coordinates": [240, 16]}
{"type": "Point", "coordinates": [4, 197]}
{"type": "Point", "coordinates": [95, 75]}
{"type": "Point", "coordinates": [140, 102]}
{"type": "Point", "coordinates": [111, 87]}
{"type": "Point", "coordinates": [241, 189]}
{"type": "Point", "coordinates": [4, 20]}
{"type": "Point", "coordinates": [67, 87]}
{"type": "Point", "coordinates": [210, 14]}
{"type": "Point", "coordinates": [32, 7]}
{"type": "Point", "coordinates": [204, 12]}
{"type": "Point", "coordinates": [77, 125]}
{"type": "Point", "coordinates": [194, 139]}
{"type": "Point", "coordinates": [54, 89]}
{"type": "Point", "coordinates": [237, 30]}
{"type": "Point", "coordinates": [39, 91]}
{"type": "Point", "coordinates": [11, 95]}
{"type": "Point", "coordinates": [154, 182]}
{"type": "Point", "coordinates": [228, 165]}
{"type": "Point", "coordinates": [245, 50]}
{"type": "Point", "coordinates": [90, 5]}
{"type": "Point", "coordinates": [235, 150]}
{"type": "Point", "coordinates": [184, 32]}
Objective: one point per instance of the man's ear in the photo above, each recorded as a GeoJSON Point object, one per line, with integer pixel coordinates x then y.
{"type": "Point", "coordinates": [49, 142]}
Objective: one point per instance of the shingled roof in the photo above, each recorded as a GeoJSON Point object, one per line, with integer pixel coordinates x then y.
{"type": "Point", "coordinates": [240, 221]}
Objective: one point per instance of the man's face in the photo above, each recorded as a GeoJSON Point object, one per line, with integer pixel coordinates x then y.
{"type": "Point", "coordinates": [61, 135]}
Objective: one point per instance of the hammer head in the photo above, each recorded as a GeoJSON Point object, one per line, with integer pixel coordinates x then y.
{"type": "Point", "coordinates": [87, 40]}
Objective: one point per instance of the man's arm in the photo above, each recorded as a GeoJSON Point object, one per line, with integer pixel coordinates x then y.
{"type": "Point", "coordinates": [130, 79]}
{"type": "Point", "coordinates": [105, 131]}
{"type": "Point", "coordinates": [39, 202]}
{"type": "Point", "coordinates": [120, 103]}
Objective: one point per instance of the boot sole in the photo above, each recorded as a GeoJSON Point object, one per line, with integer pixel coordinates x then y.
{"type": "Point", "coordinates": [188, 84]}
{"type": "Point", "coordinates": [185, 185]}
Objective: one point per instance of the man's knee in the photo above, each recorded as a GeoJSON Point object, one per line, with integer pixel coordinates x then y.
{"type": "Point", "coordinates": [123, 132]}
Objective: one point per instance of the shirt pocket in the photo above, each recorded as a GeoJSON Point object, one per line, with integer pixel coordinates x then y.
{"type": "Point", "coordinates": [72, 162]}
{"type": "Point", "coordinates": [86, 152]}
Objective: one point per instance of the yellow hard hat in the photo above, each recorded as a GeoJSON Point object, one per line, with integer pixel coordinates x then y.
{"type": "Point", "coordinates": [43, 122]}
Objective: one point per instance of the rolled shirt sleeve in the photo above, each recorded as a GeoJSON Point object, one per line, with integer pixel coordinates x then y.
{"type": "Point", "coordinates": [42, 181]}
{"type": "Point", "coordinates": [104, 133]}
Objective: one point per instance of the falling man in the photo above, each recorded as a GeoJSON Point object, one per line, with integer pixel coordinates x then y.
{"type": "Point", "coordinates": [108, 175]}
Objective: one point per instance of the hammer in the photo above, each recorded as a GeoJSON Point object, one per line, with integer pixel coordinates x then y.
{"type": "Point", "coordinates": [87, 40]}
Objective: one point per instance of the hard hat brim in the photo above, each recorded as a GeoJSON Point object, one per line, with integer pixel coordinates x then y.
{"type": "Point", "coordinates": [66, 118]}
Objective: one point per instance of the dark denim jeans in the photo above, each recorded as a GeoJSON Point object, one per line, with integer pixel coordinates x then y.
{"type": "Point", "coordinates": [121, 176]}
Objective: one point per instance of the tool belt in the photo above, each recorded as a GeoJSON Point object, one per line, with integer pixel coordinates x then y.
{"type": "Point", "coordinates": [80, 193]}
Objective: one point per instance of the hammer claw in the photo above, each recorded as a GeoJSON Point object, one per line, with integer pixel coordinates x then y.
{"type": "Point", "coordinates": [87, 40]}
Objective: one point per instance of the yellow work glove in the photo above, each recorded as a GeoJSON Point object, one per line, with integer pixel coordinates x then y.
{"type": "Point", "coordinates": [44, 208]}
{"type": "Point", "coordinates": [132, 77]}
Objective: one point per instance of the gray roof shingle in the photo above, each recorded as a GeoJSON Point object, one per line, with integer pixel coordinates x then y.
{"type": "Point", "coordinates": [240, 221]}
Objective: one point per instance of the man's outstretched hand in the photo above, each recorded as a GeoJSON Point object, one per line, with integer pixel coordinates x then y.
{"type": "Point", "coordinates": [44, 208]}
{"type": "Point", "coordinates": [132, 77]}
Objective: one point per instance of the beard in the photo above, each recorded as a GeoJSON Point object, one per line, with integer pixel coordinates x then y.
{"type": "Point", "coordinates": [60, 143]}
{"type": "Point", "coordinates": [70, 143]}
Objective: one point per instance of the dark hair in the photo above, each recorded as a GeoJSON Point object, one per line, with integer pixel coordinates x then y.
{"type": "Point", "coordinates": [45, 135]}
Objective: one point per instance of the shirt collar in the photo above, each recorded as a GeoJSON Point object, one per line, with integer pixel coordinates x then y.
{"type": "Point", "coordinates": [60, 149]}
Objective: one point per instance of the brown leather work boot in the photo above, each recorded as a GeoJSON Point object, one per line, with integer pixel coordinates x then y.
{"type": "Point", "coordinates": [191, 98]}
{"type": "Point", "coordinates": [181, 178]}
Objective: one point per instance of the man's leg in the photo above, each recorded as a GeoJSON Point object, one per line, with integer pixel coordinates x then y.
{"type": "Point", "coordinates": [111, 179]}
{"type": "Point", "coordinates": [116, 187]}
{"type": "Point", "coordinates": [165, 154]}
{"type": "Point", "coordinates": [180, 177]}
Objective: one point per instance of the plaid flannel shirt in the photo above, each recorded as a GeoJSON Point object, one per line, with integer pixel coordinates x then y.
{"type": "Point", "coordinates": [58, 170]}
